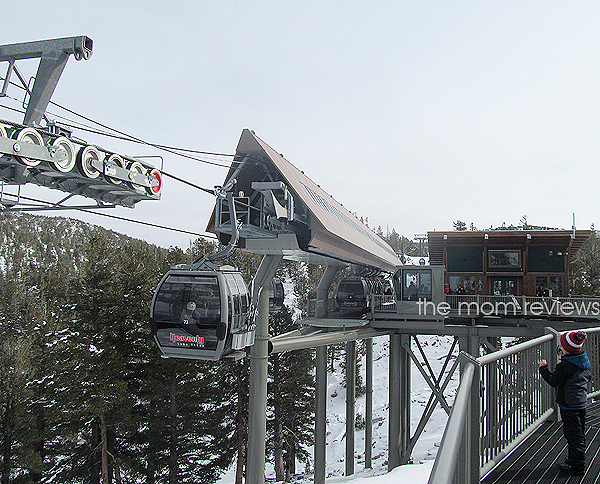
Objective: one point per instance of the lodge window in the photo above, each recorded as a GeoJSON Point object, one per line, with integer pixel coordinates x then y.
{"type": "Point", "coordinates": [463, 284]}
{"type": "Point", "coordinates": [504, 258]}
{"type": "Point", "coordinates": [548, 286]}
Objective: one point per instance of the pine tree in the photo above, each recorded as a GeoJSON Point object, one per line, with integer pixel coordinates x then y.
{"type": "Point", "coordinates": [37, 261]}
{"type": "Point", "coordinates": [459, 226]}
{"type": "Point", "coordinates": [585, 268]}
{"type": "Point", "coordinates": [15, 365]}
{"type": "Point", "coordinates": [87, 397]}
{"type": "Point", "coordinates": [291, 402]}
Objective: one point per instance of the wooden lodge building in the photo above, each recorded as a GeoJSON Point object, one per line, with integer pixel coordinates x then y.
{"type": "Point", "coordinates": [506, 262]}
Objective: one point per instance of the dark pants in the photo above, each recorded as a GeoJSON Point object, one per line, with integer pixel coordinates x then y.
{"type": "Point", "coordinates": [574, 432]}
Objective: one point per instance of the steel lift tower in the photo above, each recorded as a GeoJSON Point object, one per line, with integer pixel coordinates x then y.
{"type": "Point", "coordinates": [48, 155]}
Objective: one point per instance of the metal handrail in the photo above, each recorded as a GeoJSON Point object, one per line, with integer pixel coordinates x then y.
{"type": "Point", "coordinates": [444, 466]}
{"type": "Point", "coordinates": [507, 402]}
{"type": "Point", "coordinates": [498, 355]}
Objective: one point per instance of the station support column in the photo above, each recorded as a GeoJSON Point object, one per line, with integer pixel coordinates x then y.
{"type": "Point", "coordinates": [259, 354]}
{"type": "Point", "coordinates": [369, 406]}
{"type": "Point", "coordinates": [394, 402]}
{"type": "Point", "coordinates": [399, 400]}
{"type": "Point", "coordinates": [350, 405]}
{"type": "Point", "coordinates": [321, 379]}
{"type": "Point", "coordinates": [323, 289]}
{"type": "Point", "coordinates": [320, 415]}
{"type": "Point", "coordinates": [405, 398]}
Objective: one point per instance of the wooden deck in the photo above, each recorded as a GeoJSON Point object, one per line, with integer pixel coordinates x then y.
{"type": "Point", "coordinates": [536, 460]}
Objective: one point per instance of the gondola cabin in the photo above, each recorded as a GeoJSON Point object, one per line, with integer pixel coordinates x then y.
{"type": "Point", "coordinates": [353, 294]}
{"type": "Point", "coordinates": [202, 314]}
{"type": "Point", "coordinates": [276, 294]}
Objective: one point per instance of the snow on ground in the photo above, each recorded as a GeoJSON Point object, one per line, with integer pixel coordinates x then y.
{"type": "Point", "coordinates": [436, 348]}
{"type": "Point", "coordinates": [413, 473]}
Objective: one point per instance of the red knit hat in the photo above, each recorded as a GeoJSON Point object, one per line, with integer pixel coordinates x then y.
{"type": "Point", "coordinates": [572, 341]}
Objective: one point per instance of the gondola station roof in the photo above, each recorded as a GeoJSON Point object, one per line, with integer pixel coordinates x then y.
{"type": "Point", "coordinates": [283, 212]}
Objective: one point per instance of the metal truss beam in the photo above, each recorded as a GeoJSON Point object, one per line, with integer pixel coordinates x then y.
{"type": "Point", "coordinates": [53, 54]}
{"type": "Point", "coordinates": [295, 340]}
{"type": "Point", "coordinates": [437, 389]}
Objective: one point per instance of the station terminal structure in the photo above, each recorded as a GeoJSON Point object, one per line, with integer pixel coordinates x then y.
{"type": "Point", "coordinates": [284, 214]}
{"type": "Point", "coordinates": [274, 209]}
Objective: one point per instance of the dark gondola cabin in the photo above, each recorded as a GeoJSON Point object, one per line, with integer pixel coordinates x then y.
{"type": "Point", "coordinates": [351, 295]}
{"type": "Point", "coordinates": [276, 294]}
{"type": "Point", "coordinates": [202, 314]}
{"type": "Point", "coordinates": [354, 294]}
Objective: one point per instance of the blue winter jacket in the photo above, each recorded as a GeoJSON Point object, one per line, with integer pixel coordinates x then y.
{"type": "Point", "coordinates": [570, 377]}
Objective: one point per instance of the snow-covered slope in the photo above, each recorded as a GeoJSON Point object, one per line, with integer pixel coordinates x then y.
{"type": "Point", "coordinates": [426, 448]}
{"type": "Point", "coordinates": [436, 348]}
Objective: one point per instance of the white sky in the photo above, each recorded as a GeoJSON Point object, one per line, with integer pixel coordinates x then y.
{"type": "Point", "coordinates": [413, 114]}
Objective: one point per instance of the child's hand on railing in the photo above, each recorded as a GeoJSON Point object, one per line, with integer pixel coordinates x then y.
{"type": "Point", "coordinates": [543, 363]}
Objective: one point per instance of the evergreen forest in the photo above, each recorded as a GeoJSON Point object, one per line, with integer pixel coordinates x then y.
{"type": "Point", "coordinates": [85, 396]}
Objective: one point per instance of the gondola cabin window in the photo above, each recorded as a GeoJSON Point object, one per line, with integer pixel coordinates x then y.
{"type": "Point", "coordinates": [178, 291]}
{"type": "Point", "coordinates": [415, 284]}
{"type": "Point", "coordinates": [189, 307]}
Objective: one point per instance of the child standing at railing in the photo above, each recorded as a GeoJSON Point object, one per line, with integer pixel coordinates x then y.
{"type": "Point", "coordinates": [571, 377]}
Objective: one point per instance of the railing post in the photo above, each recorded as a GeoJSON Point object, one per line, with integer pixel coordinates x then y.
{"type": "Point", "coordinates": [452, 461]}
{"type": "Point", "coordinates": [552, 362]}
{"type": "Point", "coordinates": [470, 457]}
{"type": "Point", "coordinates": [473, 430]}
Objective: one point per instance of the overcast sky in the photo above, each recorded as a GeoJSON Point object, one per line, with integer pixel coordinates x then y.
{"type": "Point", "coordinates": [413, 114]}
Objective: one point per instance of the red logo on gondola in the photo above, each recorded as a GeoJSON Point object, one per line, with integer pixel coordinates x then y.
{"type": "Point", "coordinates": [186, 339]}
